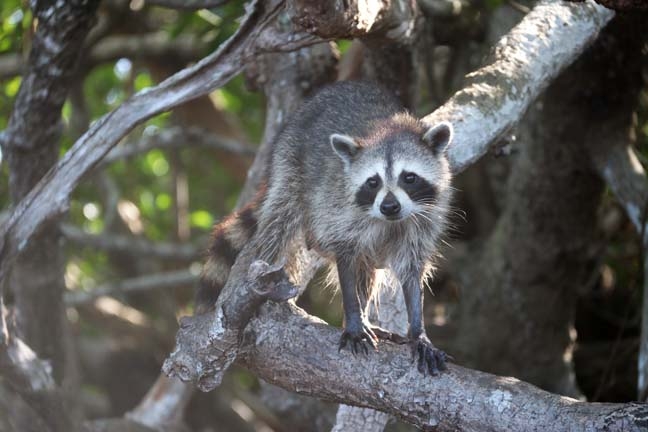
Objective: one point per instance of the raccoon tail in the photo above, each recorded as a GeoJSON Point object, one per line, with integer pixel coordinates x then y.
{"type": "Point", "coordinates": [228, 239]}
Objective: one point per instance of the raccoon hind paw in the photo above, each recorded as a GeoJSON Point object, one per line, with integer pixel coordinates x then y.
{"type": "Point", "coordinates": [429, 358]}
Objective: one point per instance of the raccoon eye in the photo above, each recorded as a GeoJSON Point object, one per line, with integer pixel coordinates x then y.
{"type": "Point", "coordinates": [372, 182]}
{"type": "Point", "coordinates": [410, 178]}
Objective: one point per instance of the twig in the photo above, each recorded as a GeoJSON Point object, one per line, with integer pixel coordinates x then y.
{"type": "Point", "coordinates": [519, 6]}
{"type": "Point", "coordinates": [178, 137]}
{"type": "Point", "coordinates": [619, 166]}
{"type": "Point", "coordinates": [159, 45]}
{"type": "Point", "coordinates": [188, 4]}
{"type": "Point", "coordinates": [133, 245]}
{"type": "Point", "coordinates": [163, 404]}
{"type": "Point", "coordinates": [126, 286]}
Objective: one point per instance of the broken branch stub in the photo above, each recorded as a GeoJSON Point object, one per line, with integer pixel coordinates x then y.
{"type": "Point", "coordinates": [206, 345]}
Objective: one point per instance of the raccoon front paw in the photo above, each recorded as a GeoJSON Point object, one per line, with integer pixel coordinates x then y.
{"type": "Point", "coordinates": [357, 337]}
{"type": "Point", "coordinates": [429, 358]}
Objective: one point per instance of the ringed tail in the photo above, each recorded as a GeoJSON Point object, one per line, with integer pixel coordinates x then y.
{"type": "Point", "coordinates": [228, 239]}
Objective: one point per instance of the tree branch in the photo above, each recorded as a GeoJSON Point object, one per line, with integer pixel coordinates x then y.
{"type": "Point", "coordinates": [133, 245]}
{"type": "Point", "coordinates": [279, 346]}
{"type": "Point", "coordinates": [188, 4]}
{"type": "Point", "coordinates": [330, 19]}
{"type": "Point", "coordinates": [152, 46]}
{"type": "Point", "coordinates": [179, 137]}
{"type": "Point", "coordinates": [31, 378]}
{"type": "Point", "coordinates": [31, 146]}
{"type": "Point", "coordinates": [498, 94]}
{"type": "Point", "coordinates": [621, 5]}
{"type": "Point", "coordinates": [143, 283]}
{"type": "Point", "coordinates": [619, 166]}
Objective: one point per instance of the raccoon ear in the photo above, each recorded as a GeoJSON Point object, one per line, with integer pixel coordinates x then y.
{"type": "Point", "coordinates": [344, 146]}
{"type": "Point", "coordinates": [438, 137]}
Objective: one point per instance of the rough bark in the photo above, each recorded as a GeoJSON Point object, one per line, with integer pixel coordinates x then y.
{"type": "Point", "coordinates": [32, 379]}
{"type": "Point", "coordinates": [622, 5]}
{"type": "Point", "coordinates": [285, 346]}
{"type": "Point", "coordinates": [31, 144]}
{"type": "Point", "coordinates": [356, 18]}
{"type": "Point", "coordinates": [496, 96]}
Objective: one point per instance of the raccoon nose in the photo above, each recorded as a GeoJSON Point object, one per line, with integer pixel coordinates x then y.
{"type": "Point", "coordinates": [390, 205]}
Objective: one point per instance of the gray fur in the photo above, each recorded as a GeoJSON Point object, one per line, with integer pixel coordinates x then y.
{"type": "Point", "coordinates": [348, 132]}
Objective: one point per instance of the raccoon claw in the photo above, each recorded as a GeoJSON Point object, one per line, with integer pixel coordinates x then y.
{"type": "Point", "coordinates": [358, 339]}
{"type": "Point", "coordinates": [429, 358]}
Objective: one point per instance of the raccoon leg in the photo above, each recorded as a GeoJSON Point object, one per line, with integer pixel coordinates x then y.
{"type": "Point", "coordinates": [430, 359]}
{"type": "Point", "coordinates": [356, 282]}
{"type": "Point", "coordinates": [365, 285]}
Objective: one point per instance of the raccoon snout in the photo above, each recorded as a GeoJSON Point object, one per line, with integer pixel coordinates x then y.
{"type": "Point", "coordinates": [390, 206]}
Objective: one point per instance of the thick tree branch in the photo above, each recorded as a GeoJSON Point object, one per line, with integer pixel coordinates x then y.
{"type": "Point", "coordinates": [523, 63]}
{"type": "Point", "coordinates": [393, 19]}
{"type": "Point", "coordinates": [31, 146]}
{"type": "Point", "coordinates": [622, 5]}
{"type": "Point", "coordinates": [289, 348]}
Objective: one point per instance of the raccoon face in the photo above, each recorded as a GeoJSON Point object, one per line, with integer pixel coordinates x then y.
{"type": "Point", "coordinates": [398, 176]}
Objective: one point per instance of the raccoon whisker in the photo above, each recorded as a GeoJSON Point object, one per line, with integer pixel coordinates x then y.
{"type": "Point", "coordinates": [446, 243]}
{"type": "Point", "coordinates": [415, 221]}
{"type": "Point", "coordinates": [426, 216]}
{"type": "Point", "coordinates": [459, 213]}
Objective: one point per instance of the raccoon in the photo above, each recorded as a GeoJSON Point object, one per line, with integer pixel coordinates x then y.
{"type": "Point", "coordinates": [364, 183]}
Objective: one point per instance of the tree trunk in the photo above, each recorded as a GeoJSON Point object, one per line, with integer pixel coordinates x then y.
{"type": "Point", "coordinates": [517, 311]}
